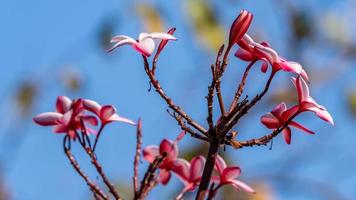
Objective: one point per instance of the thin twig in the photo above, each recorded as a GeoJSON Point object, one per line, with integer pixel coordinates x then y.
{"type": "Point", "coordinates": [168, 100]}
{"type": "Point", "coordinates": [97, 165]}
{"type": "Point", "coordinates": [93, 187]}
{"type": "Point", "coordinates": [247, 107]}
{"type": "Point", "coordinates": [98, 135]}
{"type": "Point", "coordinates": [262, 140]}
{"type": "Point", "coordinates": [137, 155]}
{"type": "Point", "coordinates": [241, 86]}
{"type": "Point", "coordinates": [184, 127]}
{"type": "Point", "coordinates": [149, 181]}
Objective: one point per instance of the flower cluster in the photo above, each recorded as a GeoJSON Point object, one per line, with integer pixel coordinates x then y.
{"type": "Point", "coordinates": [71, 116]}
{"type": "Point", "coordinates": [190, 172]}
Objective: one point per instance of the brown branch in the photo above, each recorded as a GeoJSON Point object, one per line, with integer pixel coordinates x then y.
{"type": "Point", "coordinates": [214, 77]}
{"type": "Point", "coordinates": [137, 155]}
{"type": "Point", "coordinates": [149, 181]}
{"type": "Point", "coordinates": [101, 172]}
{"type": "Point", "coordinates": [168, 100]}
{"type": "Point", "coordinates": [187, 129]}
{"type": "Point", "coordinates": [93, 187]}
{"type": "Point", "coordinates": [241, 86]}
{"type": "Point", "coordinates": [210, 98]}
{"type": "Point", "coordinates": [97, 165]}
{"type": "Point", "coordinates": [208, 170]}
{"type": "Point", "coordinates": [247, 107]}
{"type": "Point", "coordinates": [262, 140]}
{"type": "Point", "coordinates": [220, 98]}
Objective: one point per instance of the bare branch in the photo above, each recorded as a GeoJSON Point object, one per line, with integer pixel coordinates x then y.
{"type": "Point", "coordinates": [241, 86]}
{"type": "Point", "coordinates": [149, 180]}
{"type": "Point", "coordinates": [97, 192]}
{"type": "Point", "coordinates": [137, 155]}
{"type": "Point", "coordinates": [168, 100]}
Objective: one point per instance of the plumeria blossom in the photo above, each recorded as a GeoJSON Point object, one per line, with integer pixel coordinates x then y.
{"type": "Point", "coordinates": [171, 149]}
{"type": "Point", "coordinates": [67, 117]}
{"type": "Point", "coordinates": [250, 50]}
{"type": "Point", "coordinates": [145, 43]}
{"type": "Point", "coordinates": [239, 27]}
{"type": "Point", "coordinates": [307, 103]}
{"type": "Point", "coordinates": [278, 117]}
{"type": "Point", "coordinates": [229, 175]}
{"type": "Point", "coordinates": [280, 114]}
{"type": "Point", "coordinates": [106, 114]}
{"type": "Point", "coordinates": [190, 172]}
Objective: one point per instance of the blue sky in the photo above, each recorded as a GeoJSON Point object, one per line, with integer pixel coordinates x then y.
{"type": "Point", "coordinates": [42, 41]}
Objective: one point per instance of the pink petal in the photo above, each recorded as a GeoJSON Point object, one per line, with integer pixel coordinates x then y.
{"type": "Point", "coordinates": [246, 43]}
{"type": "Point", "coordinates": [116, 117]}
{"type": "Point", "coordinates": [120, 40]}
{"type": "Point", "coordinates": [279, 109]}
{"type": "Point", "coordinates": [163, 36]}
{"type": "Point", "coordinates": [230, 173]}
{"type": "Point", "coordinates": [270, 121]}
{"type": "Point", "coordinates": [220, 164]}
{"type": "Point", "coordinates": [145, 46]}
{"type": "Point", "coordinates": [302, 89]}
{"type": "Point", "coordinates": [304, 74]}
{"type": "Point", "coordinates": [290, 66]}
{"type": "Point", "coordinates": [170, 148]}
{"type": "Point", "coordinates": [164, 176]}
{"type": "Point", "coordinates": [301, 127]}
{"type": "Point", "coordinates": [48, 118]}
{"type": "Point", "coordinates": [239, 185]}
{"type": "Point", "coordinates": [244, 55]}
{"type": "Point", "coordinates": [63, 104]}
{"type": "Point", "coordinates": [90, 119]}
{"type": "Point", "coordinates": [287, 135]}
{"type": "Point", "coordinates": [164, 42]}
{"type": "Point", "coordinates": [106, 112]}
{"type": "Point", "coordinates": [150, 153]}
{"type": "Point", "coordinates": [289, 113]}
{"type": "Point", "coordinates": [266, 52]}
{"type": "Point", "coordinates": [60, 128]}
{"type": "Point", "coordinates": [322, 114]}
{"type": "Point", "coordinates": [182, 168]}
{"type": "Point", "coordinates": [264, 65]}
{"type": "Point", "coordinates": [92, 106]}
{"type": "Point", "coordinates": [196, 167]}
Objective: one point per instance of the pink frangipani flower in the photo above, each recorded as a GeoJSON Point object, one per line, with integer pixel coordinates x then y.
{"type": "Point", "coordinates": [228, 175]}
{"type": "Point", "coordinates": [278, 117]}
{"type": "Point", "coordinates": [171, 149]}
{"type": "Point", "coordinates": [145, 43]}
{"type": "Point", "coordinates": [106, 114]}
{"type": "Point", "coordinates": [189, 172]}
{"type": "Point", "coordinates": [280, 114]}
{"type": "Point", "coordinates": [307, 103]}
{"type": "Point", "coordinates": [67, 118]}
{"type": "Point", "coordinates": [239, 27]}
{"type": "Point", "coordinates": [250, 50]}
